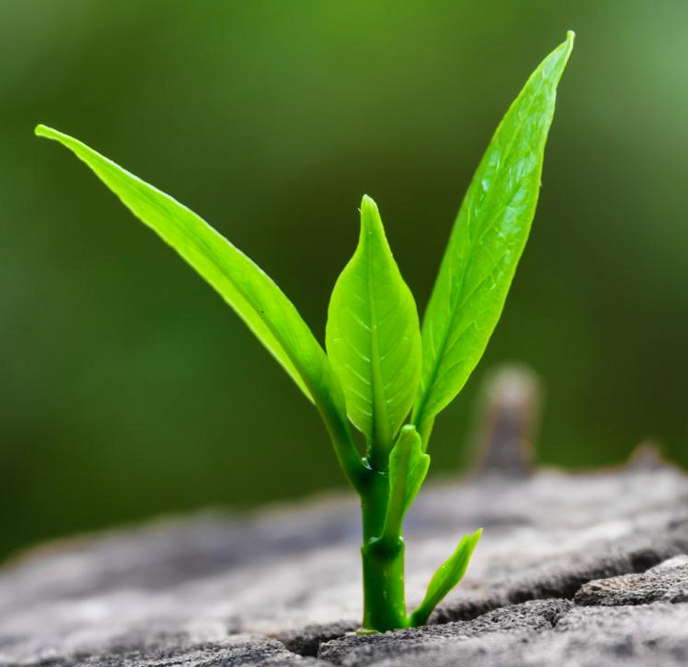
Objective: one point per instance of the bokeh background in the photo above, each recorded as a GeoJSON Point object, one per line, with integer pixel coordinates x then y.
{"type": "Point", "coordinates": [128, 389]}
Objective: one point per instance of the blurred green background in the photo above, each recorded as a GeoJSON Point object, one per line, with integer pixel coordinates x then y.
{"type": "Point", "coordinates": [128, 389]}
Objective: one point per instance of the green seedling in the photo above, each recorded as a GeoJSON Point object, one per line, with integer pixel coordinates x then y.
{"type": "Point", "coordinates": [380, 372]}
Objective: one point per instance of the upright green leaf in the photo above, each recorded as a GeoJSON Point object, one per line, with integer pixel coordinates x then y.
{"type": "Point", "coordinates": [486, 243]}
{"type": "Point", "coordinates": [408, 466]}
{"type": "Point", "coordinates": [241, 283]}
{"type": "Point", "coordinates": [373, 336]}
{"type": "Point", "coordinates": [445, 578]}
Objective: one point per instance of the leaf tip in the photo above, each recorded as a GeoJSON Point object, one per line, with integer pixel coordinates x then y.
{"type": "Point", "coordinates": [567, 47]}
{"type": "Point", "coordinates": [371, 222]}
{"type": "Point", "coordinates": [48, 132]}
{"type": "Point", "coordinates": [368, 204]}
{"type": "Point", "coordinates": [42, 130]}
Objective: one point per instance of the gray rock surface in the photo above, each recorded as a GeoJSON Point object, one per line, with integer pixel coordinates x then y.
{"type": "Point", "coordinates": [522, 636]}
{"type": "Point", "coordinates": [165, 650]}
{"type": "Point", "coordinates": [285, 583]}
{"type": "Point", "coordinates": [671, 563]}
{"type": "Point", "coordinates": [667, 582]}
{"type": "Point", "coordinates": [515, 623]}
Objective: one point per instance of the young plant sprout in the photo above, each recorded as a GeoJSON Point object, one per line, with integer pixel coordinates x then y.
{"type": "Point", "coordinates": [381, 372]}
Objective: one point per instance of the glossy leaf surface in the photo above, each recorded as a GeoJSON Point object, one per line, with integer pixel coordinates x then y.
{"type": "Point", "coordinates": [408, 466]}
{"type": "Point", "coordinates": [373, 335]}
{"type": "Point", "coordinates": [446, 577]}
{"type": "Point", "coordinates": [486, 243]}
{"type": "Point", "coordinates": [241, 283]}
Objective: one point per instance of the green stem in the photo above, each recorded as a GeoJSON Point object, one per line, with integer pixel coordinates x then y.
{"type": "Point", "coordinates": [424, 430]}
{"type": "Point", "coordinates": [384, 604]}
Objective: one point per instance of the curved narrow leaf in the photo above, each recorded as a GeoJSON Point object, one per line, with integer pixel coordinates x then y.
{"type": "Point", "coordinates": [241, 283]}
{"type": "Point", "coordinates": [373, 336]}
{"type": "Point", "coordinates": [408, 466]}
{"type": "Point", "coordinates": [486, 243]}
{"type": "Point", "coordinates": [446, 577]}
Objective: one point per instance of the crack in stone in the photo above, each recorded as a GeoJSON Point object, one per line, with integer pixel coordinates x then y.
{"type": "Point", "coordinates": [95, 599]}
{"type": "Point", "coordinates": [307, 642]}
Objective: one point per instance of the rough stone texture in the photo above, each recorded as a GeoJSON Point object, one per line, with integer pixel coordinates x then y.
{"type": "Point", "coordinates": [534, 634]}
{"type": "Point", "coordinates": [151, 648]}
{"type": "Point", "coordinates": [677, 561]}
{"type": "Point", "coordinates": [203, 590]}
{"type": "Point", "coordinates": [667, 582]}
{"type": "Point", "coordinates": [515, 622]}
{"type": "Point", "coordinates": [307, 640]}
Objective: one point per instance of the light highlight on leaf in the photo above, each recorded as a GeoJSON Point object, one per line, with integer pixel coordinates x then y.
{"type": "Point", "coordinates": [373, 337]}
{"type": "Point", "coordinates": [446, 577]}
{"type": "Point", "coordinates": [408, 466]}
{"type": "Point", "coordinates": [486, 243]}
{"type": "Point", "coordinates": [241, 283]}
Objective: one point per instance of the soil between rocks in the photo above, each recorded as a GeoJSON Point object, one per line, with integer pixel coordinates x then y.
{"type": "Point", "coordinates": [565, 575]}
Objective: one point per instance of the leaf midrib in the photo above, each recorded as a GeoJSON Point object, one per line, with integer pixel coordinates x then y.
{"type": "Point", "coordinates": [381, 435]}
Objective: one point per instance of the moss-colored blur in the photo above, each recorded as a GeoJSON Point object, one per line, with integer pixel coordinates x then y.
{"type": "Point", "coordinates": [128, 389]}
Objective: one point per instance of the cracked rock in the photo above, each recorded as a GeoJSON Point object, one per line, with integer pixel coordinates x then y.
{"type": "Point", "coordinates": [307, 641]}
{"type": "Point", "coordinates": [244, 650]}
{"type": "Point", "coordinates": [667, 582]}
{"type": "Point", "coordinates": [517, 622]}
{"type": "Point", "coordinates": [534, 634]}
{"type": "Point", "coordinates": [219, 590]}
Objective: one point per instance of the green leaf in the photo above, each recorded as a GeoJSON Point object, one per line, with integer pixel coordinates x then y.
{"type": "Point", "coordinates": [373, 335]}
{"type": "Point", "coordinates": [408, 466]}
{"type": "Point", "coordinates": [241, 283]}
{"type": "Point", "coordinates": [447, 576]}
{"type": "Point", "coordinates": [486, 243]}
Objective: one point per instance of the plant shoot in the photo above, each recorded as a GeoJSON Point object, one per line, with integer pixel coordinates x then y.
{"type": "Point", "coordinates": [381, 372]}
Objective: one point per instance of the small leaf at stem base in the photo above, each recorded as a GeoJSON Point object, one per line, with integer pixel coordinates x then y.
{"type": "Point", "coordinates": [445, 578]}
